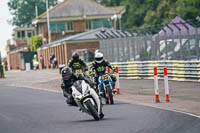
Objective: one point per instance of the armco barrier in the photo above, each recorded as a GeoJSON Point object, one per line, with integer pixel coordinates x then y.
{"type": "Point", "coordinates": [177, 70]}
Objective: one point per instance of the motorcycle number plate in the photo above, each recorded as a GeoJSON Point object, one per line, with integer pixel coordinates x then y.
{"type": "Point", "coordinates": [104, 77]}
{"type": "Point", "coordinates": [79, 71]}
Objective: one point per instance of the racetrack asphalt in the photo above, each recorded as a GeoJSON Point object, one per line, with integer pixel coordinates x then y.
{"type": "Point", "coordinates": [26, 110]}
{"type": "Point", "coordinates": [184, 96]}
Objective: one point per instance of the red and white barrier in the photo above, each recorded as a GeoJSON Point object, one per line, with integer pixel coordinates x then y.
{"type": "Point", "coordinates": [117, 75]}
{"type": "Point", "coordinates": [156, 85]}
{"type": "Point", "coordinates": [166, 84]}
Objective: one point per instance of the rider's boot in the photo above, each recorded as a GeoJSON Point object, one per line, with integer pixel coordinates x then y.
{"type": "Point", "coordinates": [65, 94]}
{"type": "Point", "coordinates": [114, 89]}
{"type": "Point", "coordinates": [101, 92]}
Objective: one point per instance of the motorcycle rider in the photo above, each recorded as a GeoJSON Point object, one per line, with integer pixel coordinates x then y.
{"type": "Point", "coordinates": [76, 63]}
{"type": "Point", "coordinates": [99, 67]}
{"type": "Point", "coordinates": [68, 78]}
{"type": "Point", "coordinates": [35, 62]}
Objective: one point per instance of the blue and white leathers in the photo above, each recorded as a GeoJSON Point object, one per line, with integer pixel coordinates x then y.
{"type": "Point", "coordinates": [108, 82]}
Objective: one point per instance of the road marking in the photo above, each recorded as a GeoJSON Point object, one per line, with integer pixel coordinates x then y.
{"type": "Point", "coordinates": [173, 110]}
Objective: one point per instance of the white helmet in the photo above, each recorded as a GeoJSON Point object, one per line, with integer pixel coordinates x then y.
{"type": "Point", "coordinates": [98, 57]}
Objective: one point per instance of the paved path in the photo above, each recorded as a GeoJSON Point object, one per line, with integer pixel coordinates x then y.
{"type": "Point", "coordinates": [25, 110]}
{"type": "Point", "coordinates": [185, 96]}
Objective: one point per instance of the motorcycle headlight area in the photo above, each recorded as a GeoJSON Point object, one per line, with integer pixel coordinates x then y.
{"type": "Point", "coordinates": [78, 97]}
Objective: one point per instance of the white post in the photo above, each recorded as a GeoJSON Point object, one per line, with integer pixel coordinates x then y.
{"type": "Point", "coordinates": [117, 75]}
{"type": "Point", "coordinates": [166, 85]}
{"type": "Point", "coordinates": [156, 85]}
{"type": "Point", "coordinates": [36, 11]}
{"type": "Point", "coordinates": [48, 24]}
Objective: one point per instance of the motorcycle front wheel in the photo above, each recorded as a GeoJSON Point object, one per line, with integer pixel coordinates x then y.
{"type": "Point", "coordinates": [92, 110]}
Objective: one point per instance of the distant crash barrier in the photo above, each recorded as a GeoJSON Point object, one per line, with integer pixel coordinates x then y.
{"type": "Point", "coordinates": [177, 70]}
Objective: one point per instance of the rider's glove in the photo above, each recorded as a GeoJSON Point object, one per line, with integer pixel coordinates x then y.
{"type": "Point", "coordinates": [62, 86]}
{"type": "Point", "coordinates": [92, 74]}
{"type": "Point", "coordinates": [86, 69]}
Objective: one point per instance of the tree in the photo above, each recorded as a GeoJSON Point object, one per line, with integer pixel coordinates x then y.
{"type": "Point", "coordinates": [155, 14]}
{"type": "Point", "coordinates": [23, 11]}
{"type": "Point", "coordinates": [36, 41]}
{"type": "Point", "coordinates": [111, 2]}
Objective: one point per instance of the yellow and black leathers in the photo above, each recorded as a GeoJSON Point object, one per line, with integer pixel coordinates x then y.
{"type": "Point", "coordinates": [76, 64]}
{"type": "Point", "coordinates": [100, 68]}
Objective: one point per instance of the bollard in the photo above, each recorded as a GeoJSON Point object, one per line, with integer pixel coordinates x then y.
{"type": "Point", "coordinates": [3, 73]}
{"type": "Point", "coordinates": [117, 75]}
{"type": "Point", "coordinates": [156, 85]}
{"type": "Point", "coordinates": [166, 85]}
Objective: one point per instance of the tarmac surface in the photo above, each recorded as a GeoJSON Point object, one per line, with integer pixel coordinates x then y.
{"type": "Point", "coordinates": [184, 96]}
{"type": "Point", "coordinates": [26, 110]}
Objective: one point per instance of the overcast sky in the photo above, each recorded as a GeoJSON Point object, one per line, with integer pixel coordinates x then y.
{"type": "Point", "coordinates": [5, 28]}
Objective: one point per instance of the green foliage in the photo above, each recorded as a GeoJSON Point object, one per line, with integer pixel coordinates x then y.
{"type": "Point", "coordinates": [36, 41]}
{"type": "Point", "coordinates": [111, 2]}
{"type": "Point", "coordinates": [140, 14]}
{"type": "Point", "coordinates": [153, 15]}
{"type": "Point", "coordinates": [23, 11]}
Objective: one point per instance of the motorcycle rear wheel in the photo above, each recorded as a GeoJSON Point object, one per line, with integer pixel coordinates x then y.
{"type": "Point", "coordinates": [110, 96]}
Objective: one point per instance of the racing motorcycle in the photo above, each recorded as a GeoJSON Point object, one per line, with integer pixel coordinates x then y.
{"type": "Point", "coordinates": [87, 99]}
{"type": "Point", "coordinates": [106, 82]}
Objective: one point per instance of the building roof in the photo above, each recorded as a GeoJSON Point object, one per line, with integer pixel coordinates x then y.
{"type": "Point", "coordinates": [80, 9]}
{"type": "Point", "coordinates": [176, 25]}
{"type": "Point", "coordinates": [96, 34]}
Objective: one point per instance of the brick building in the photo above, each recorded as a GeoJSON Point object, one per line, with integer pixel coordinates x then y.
{"type": "Point", "coordinates": [73, 26]}
{"type": "Point", "coordinates": [21, 44]}
{"type": "Point", "coordinates": [84, 43]}
{"type": "Point", "coordinates": [76, 16]}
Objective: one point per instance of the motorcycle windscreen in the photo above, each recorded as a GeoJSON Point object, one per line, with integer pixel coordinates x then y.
{"type": "Point", "coordinates": [78, 85]}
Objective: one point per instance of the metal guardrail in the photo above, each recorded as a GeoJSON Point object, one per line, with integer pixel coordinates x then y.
{"type": "Point", "coordinates": [180, 45]}
{"type": "Point", "coordinates": [177, 70]}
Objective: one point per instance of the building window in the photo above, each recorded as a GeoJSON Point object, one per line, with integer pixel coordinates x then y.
{"type": "Point", "coordinates": [88, 24]}
{"type": "Point", "coordinates": [57, 27]}
{"type": "Point", "coordinates": [23, 34]}
{"type": "Point", "coordinates": [97, 23]}
{"type": "Point", "coordinates": [69, 26]}
{"type": "Point", "coordinates": [18, 34]}
{"type": "Point", "coordinates": [39, 29]}
{"type": "Point", "coordinates": [29, 34]}
{"type": "Point", "coordinates": [60, 27]}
